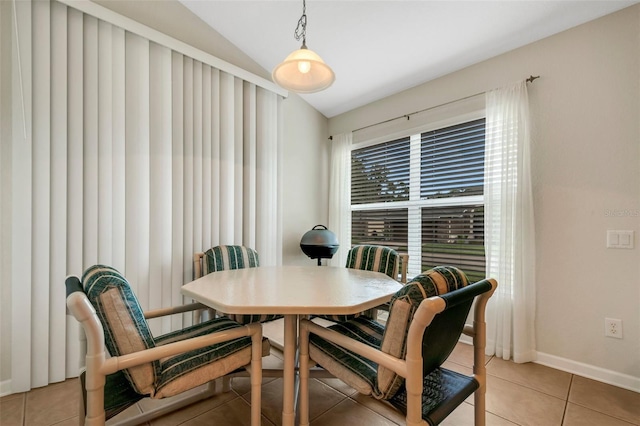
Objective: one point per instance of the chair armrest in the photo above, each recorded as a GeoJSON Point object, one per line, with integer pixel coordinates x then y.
{"type": "Point", "coordinates": [398, 365]}
{"type": "Point", "coordinates": [122, 362]}
{"type": "Point", "coordinates": [155, 313]}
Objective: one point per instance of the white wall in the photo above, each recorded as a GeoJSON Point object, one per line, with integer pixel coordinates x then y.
{"type": "Point", "coordinates": [586, 163]}
{"type": "Point", "coordinates": [306, 179]}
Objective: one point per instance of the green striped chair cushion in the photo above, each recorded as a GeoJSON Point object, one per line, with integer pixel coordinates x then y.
{"type": "Point", "coordinates": [353, 369]}
{"type": "Point", "coordinates": [374, 258]}
{"type": "Point", "coordinates": [434, 282]}
{"type": "Point", "coordinates": [369, 258]}
{"type": "Point", "coordinates": [227, 257]}
{"type": "Point", "coordinates": [189, 369]}
{"type": "Point", "coordinates": [222, 258]}
{"type": "Point", "coordinates": [362, 374]}
{"type": "Point", "coordinates": [125, 328]}
{"type": "Point", "coordinates": [126, 331]}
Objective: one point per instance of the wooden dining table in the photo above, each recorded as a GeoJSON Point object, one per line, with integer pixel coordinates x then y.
{"type": "Point", "coordinates": [292, 291]}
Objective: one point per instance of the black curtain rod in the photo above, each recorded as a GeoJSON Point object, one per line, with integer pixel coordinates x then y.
{"type": "Point", "coordinates": [528, 80]}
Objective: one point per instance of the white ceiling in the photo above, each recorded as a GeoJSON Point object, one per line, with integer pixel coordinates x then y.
{"type": "Point", "coordinates": [378, 48]}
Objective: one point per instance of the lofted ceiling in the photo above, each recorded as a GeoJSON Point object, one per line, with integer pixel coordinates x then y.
{"type": "Point", "coordinates": [378, 48]}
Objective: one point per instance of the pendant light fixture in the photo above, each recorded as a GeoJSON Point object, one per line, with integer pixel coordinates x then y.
{"type": "Point", "coordinates": [303, 71]}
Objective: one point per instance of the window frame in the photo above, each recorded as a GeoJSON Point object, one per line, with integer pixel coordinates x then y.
{"type": "Point", "coordinates": [415, 203]}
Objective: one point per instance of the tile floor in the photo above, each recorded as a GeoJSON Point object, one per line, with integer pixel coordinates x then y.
{"type": "Point", "coordinates": [525, 394]}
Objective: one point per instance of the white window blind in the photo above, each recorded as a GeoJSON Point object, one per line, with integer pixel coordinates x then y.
{"type": "Point", "coordinates": [125, 152]}
{"type": "Point", "coordinates": [423, 195]}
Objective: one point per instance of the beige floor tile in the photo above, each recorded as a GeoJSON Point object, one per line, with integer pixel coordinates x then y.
{"type": "Point", "coordinates": [340, 386]}
{"type": "Point", "coordinates": [348, 412]}
{"type": "Point", "coordinates": [577, 415]}
{"type": "Point", "coordinates": [607, 399]}
{"type": "Point", "coordinates": [458, 368]}
{"type": "Point", "coordinates": [12, 409]}
{"type": "Point", "coordinates": [522, 405]}
{"type": "Point", "coordinates": [463, 354]}
{"type": "Point", "coordinates": [130, 412]}
{"type": "Point", "coordinates": [242, 385]}
{"type": "Point", "coordinates": [192, 411]}
{"type": "Point", "coordinates": [535, 376]}
{"type": "Point", "coordinates": [271, 399]}
{"type": "Point", "coordinates": [385, 410]}
{"type": "Point", "coordinates": [322, 398]}
{"type": "Point", "coordinates": [233, 413]}
{"type": "Point", "coordinates": [70, 422]}
{"type": "Point", "coordinates": [52, 404]}
{"type": "Point", "coordinates": [464, 416]}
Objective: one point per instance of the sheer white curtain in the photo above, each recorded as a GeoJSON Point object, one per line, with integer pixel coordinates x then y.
{"type": "Point", "coordinates": [127, 152]}
{"type": "Point", "coordinates": [509, 225]}
{"type": "Point", "coordinates": [340, 195]}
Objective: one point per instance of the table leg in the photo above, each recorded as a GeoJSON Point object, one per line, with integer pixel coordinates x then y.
{"type": "Point", "coordinates": [290, 344]}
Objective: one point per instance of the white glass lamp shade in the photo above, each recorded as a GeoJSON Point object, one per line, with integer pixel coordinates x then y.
{"type": "Point", "coordinates": [303, 71]}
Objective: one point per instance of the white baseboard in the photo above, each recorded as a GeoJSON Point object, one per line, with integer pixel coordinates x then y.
{"type": "Point", "coordinates": [603, 375]}
{"type": "Point", "coordinates": [5, 388]}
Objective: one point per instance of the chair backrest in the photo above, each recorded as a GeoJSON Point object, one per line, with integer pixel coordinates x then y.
{"type": "Point", "coordinates": [404, 264]}
{"type": "Point", "coordinates": [125, 327]}
{"type": "Point", "coordinates": [220, 258]}
{"type": "Point", "coordinates": [374, 258]}
{"type": "Point", "coordinates": [444, 331]}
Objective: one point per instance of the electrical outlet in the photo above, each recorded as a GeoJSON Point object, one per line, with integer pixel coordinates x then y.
{"type": "Point", "coordinates": [613, 327]}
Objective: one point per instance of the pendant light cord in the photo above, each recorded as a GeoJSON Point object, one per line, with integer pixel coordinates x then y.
{"type": "Point", "coordinates": [301, 29]}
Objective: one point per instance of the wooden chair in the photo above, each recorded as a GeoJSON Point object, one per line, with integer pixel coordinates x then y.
{"type": "Point", "coordinates": [142, 365]}
{"type": "Point", "coordinates": [402, 362]}
{"type": "Point", "coordinates": [369, 258]}
{"type": "Point", "coordinates": [404, 264]}
{"type": "Point", "coordinates": [225, 257]}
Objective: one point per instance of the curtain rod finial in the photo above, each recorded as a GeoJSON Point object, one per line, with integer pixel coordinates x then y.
{"type": "Point", "coordinates": [531, 78]}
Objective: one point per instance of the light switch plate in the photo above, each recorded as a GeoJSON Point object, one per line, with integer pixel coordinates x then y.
{"type": "Point", "coordinates": [620, 239]}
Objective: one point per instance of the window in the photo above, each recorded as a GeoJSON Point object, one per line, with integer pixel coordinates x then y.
{"type": "Point", "coordinates": [423, 195]}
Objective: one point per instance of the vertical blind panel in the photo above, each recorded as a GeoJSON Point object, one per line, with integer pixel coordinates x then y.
{"type": "Point", "coordinates": [187, 191]}
{"type": "Point", "coordinates": [21, 205]}
{"type": "Point", "coordinates": [90, 136]}
{"type": "Point", "coordinates": [58, 367]}
{"type": "Point", "coordinates": [380, 173]}
{"type": "Point", "coordinates": [41, 191]}
{"type": "Point", "coordinates": [227, 186]}
{"type": "Point", "coordinates": [75, 143]}
{"type": "Point", "coordinates": [137, 165]}
{"type": "Point", "coordinates": [105, 143]}
{"type": "Point", "coordinates": [178, 265]}
{"type": "Point", "coordinates": [452, 161]}
{"type": "Point", "coordinates": [118, 114]}
{"type": "Point", "coordinates": [215, 156]}
{"type": "Point", "coordinates": [266, 156]}
{"type": "Point", "coordinates": [140, 157]}
{"type": "Point", "coordinates": [277, 124]}
{"type": "Point", "coordinates": [197, 155]}
{"type": "Point", "coordinates": [206, 156]}
{"type": "Point", "coordinates": [238, 165]}
{"type": "Point", "coordinates": [387, 227]}
{"type": "Point", "coordinates": [249, 177]}
{"type": "Point", "coordinates": [454, 235]}
{"type": "Point", "coordinates": [160, 187]}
